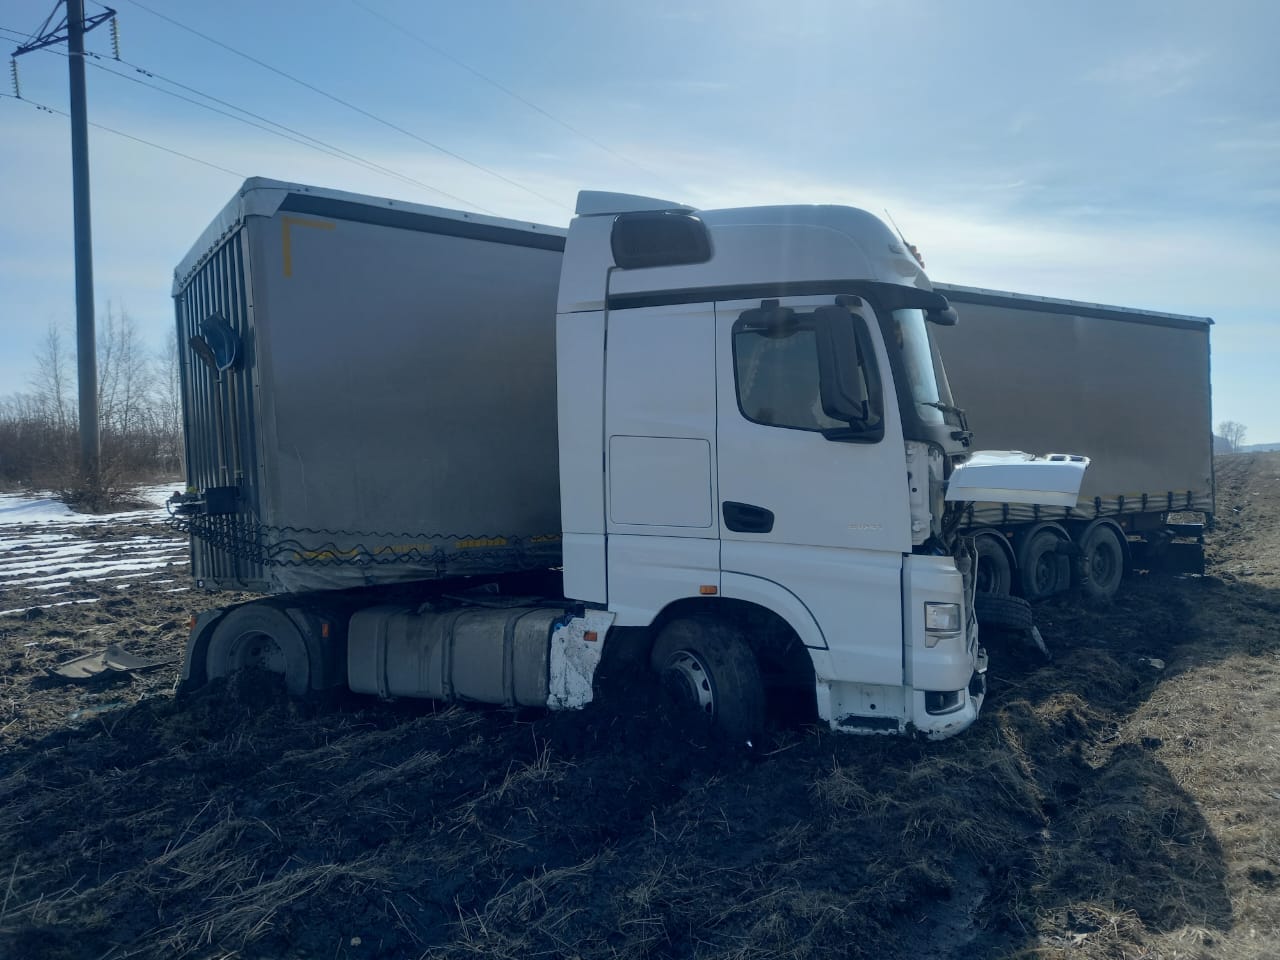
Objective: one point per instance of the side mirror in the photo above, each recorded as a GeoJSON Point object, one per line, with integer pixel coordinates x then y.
{"type": "Point", "coordinates": [840, 383]}
{"type": "Point", "coordinates": [944, 317]}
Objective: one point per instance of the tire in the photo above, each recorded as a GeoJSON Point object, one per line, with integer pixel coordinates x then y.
{"type": "Point", "coordinates": [1042, 570]}
{"type": "Point", "coordinates": [995, 566]}
{"type": "Point", "coordinates": [1105, 558]}
{"type": "Point", "coordinates": [259, 637]}
{"type": "Point", "coordinates": [707, 667]}
{"type": "Point", "coordinates": [1002, 613]}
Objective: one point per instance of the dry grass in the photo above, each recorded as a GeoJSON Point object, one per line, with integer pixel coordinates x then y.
{"type": "Point", "coordinates": [1100, 809]}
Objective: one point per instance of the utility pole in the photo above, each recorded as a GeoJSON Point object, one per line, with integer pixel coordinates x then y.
{"type": "Point", "coordinates": [72, 29]}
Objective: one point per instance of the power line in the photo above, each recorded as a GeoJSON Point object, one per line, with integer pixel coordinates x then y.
{"type": "Point", "coordinates": [75, 24]}
{"type": "Point", "coordinates": [267, 125]}
{"type": "Point", "coordinates": [22, 37]}
{"type": "Point", "coordinates": [348, 104]}
{"type": "Point", "coordinates": [283, 131]}
{"type": "Point", "coordinates": [128, 136]}
{"type": "Point", "coordinates": [440, 52]}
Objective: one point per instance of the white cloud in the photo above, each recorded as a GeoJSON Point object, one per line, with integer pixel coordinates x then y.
{"type": "Point", "coordinates": [1146, 74]}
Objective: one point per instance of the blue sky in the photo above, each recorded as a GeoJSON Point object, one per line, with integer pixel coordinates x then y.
{"type": "Point", "coordinates": [1124, 153]}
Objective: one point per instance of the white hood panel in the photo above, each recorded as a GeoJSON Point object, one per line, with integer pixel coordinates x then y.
{"type": "Point", "coordinates": [1011, 476]}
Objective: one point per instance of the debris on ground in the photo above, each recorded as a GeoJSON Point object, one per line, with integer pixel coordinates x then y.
{"type": "Point", "coordinates": [88, 666]}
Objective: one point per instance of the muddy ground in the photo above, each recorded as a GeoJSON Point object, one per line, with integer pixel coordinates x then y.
{"type": "Point", "coordinates": [1121, 801]}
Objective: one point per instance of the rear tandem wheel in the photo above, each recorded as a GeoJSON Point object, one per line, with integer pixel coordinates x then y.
{"type": "Point", "coordinates": [1104, 557]}
{"type": "Point", "coordinates": [258, 637]}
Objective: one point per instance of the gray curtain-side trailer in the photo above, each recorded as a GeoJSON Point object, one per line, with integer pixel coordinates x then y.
{"type": "Point", "coordinates": [1127, 388]}
{"type": "Point", "coordinates": [363, 404]}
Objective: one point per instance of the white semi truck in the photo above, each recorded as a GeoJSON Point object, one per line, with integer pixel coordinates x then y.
{"type": "Point", "coordinates": [468, 458]}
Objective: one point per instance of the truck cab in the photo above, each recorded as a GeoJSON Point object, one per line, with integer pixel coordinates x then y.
{"type": "Point", "coordinates": [754, 426]}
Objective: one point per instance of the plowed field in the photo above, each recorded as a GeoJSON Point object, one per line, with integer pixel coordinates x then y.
{"type": "Point", "coordinates": [1119, 801]}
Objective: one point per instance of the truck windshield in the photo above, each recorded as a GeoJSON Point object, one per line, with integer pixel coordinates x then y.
{"type": "Point", "coordinates": [916, 347]}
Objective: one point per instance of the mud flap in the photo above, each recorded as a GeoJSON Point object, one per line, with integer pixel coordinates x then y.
{"type": "Point", "coordinates": [1169, 557]}
{"type": "Point", "coordinates": [193, 664]}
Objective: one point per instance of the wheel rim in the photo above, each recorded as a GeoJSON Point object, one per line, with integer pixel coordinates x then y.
{"type": "Point", "coordinates": [1104, 562]}
{"type": "Point", "coordinates": [258, 651]}
{"type": "Point", "coordinates": [986, 577]}
{"type": "Point", "coordinates": [993, 573]}
{"type": "Point", "coordinates": [1046, 574]}
{"type": "Point", "coordinates": [991, 577]}
{"type": "Point", "coordinates": [1101, 566]}
{"type": "Point", "coordinates": [689, 682]}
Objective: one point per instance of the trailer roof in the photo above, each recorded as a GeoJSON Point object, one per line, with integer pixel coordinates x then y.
{"type": "Point", "coordinates": [260, 196]}
{"type": "Point", "coordinates": [1078, 308]}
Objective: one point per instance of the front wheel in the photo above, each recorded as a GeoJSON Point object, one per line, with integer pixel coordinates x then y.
{"type": "Point", "coordinates": [708, 669]}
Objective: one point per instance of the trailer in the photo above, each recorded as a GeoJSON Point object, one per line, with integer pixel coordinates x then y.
{"type": "Point", "coordinates": [468, 458]}
{"type": "Point", "coordinates": [1129, 389]}
{"type": "Point", "coordinates": [348, 361]}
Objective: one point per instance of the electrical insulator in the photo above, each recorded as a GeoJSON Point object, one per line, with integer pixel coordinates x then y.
{"type": "Point", "coordinates": [115, 37]}
{"type": "Point", "coordinates": [13, 71]}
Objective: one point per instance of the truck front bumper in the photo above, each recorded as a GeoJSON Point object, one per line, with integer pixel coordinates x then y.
{"type": "Point", "coordinates": [938, 724]}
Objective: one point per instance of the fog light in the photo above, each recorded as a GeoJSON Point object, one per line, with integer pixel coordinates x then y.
{"type": "Point", "coordinates": [947, 701]}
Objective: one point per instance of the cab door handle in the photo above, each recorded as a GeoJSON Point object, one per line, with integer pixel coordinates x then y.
{"type": "Point", "coordinates": [747, 517]}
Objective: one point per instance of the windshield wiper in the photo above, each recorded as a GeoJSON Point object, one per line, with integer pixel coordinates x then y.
{"type": "Point", "coordinates": [964, 434]}
{"type": "Point", "coordinates": [939, 405]}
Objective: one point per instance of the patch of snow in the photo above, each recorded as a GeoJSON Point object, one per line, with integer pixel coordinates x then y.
{"type": "Point", "coordinates": [24, 510]}
{"type": "Point", "coordinates": [40, 548]}
{"type": "Point", "coordinates": [46, 606]}
{"type": "Point", "coordinates": [15, 508]}
{"type": "Point", "coordinates": [86, 571]}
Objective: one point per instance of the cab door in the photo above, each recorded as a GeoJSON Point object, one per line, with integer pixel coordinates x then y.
{"type": "Point", "coordinates": [807, 507]}
{"type": "Point", "coordinates": [660, 427]}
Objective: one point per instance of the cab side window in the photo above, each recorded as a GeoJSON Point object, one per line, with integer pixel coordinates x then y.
{"type": "Point", "coordinates": [777, 373]}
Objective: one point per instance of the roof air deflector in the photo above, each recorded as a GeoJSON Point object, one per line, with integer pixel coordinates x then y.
{"type": "Point", "coordinates": [595, 203]}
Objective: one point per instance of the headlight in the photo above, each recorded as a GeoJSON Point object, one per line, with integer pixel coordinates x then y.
{"type": "Point", "coordinates": [941, 618]}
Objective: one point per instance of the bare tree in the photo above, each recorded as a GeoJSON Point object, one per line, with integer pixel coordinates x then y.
{"type": "Point", "coordinates": [140, 403]}
{"type": "Point", "coordinates": [1233, 433]}
{"type": "Point", "coordinates": [122, 374]}
{"type": "Point", "coordinates": [52, 382]}
{"type": "Point", "coordinates": [166, 379]}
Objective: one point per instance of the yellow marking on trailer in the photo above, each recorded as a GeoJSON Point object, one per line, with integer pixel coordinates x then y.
{"type": "Point", "coordinates": [482, 542]}
{"type": "Point", "coordinates": [286, 242]}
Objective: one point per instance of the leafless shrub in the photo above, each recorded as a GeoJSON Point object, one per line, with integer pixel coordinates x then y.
{"type": "Point", "coordinates": [140, 418]}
